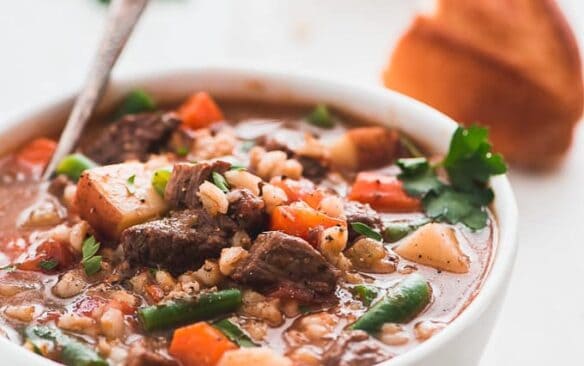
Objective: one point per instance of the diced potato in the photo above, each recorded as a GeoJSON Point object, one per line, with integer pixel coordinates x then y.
{"type": "Point", "coordinates": [435, 245]}
{"type": "Point", "coordinates": [111, 203]}
{"type": "Point", "coordinates": [365, 148]}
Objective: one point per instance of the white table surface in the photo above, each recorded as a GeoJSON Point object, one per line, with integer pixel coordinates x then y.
{"type": "Point", "coordinates": [47, 45]}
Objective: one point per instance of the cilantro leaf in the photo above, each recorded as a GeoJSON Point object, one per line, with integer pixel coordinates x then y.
{"type": "Point", "coordinates": [418, 177]}
{"type": "Point", "coordinates": [220, 182]}
{"type": "Point", "coordinates": [48, 264]}
{"type": "Point", "coordinates": [91, 262]}
{"type": "Point", "coordinates": [364, 229]}
{"type": "Point", "coordinates": [90, 247]}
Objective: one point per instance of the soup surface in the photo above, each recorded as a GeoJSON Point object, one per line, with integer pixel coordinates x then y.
{"type": "Point", "coordinates": [229, 233]}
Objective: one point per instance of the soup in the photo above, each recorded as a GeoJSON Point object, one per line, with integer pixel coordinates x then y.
{"type": "Point", "coordinates": [235, 232]}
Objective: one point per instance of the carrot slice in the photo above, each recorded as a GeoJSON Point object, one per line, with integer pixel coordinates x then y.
{"type": "Point", "coordinates": [383, 192]}
{"type": "Point", "coordinates": [199, 344]}
{"type": "Point", "coordinates": [300, 220]}
{"type": "Point", "coordinates": [299, 190]}
{"type": "Point", "coordinates": [200, 111]}
{"type": "Point", "coordinates": [38, 152]}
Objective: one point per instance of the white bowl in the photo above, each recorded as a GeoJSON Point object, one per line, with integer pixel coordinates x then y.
{"type": "Point", "coordinates": [462, 341]}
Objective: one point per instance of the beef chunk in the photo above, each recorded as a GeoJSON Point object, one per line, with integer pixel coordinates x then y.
{"type": "Point", "coordinates": [140, 356]}
{"type": "Point", "coordinates": [313, 169]}
{"type": "Point", "coordinates": [181, 189]}
{"type": "Point", "coordinates": [179, 242]}
{"type": "Point", "coordinates": [355, 348]}
{"type": "Point", "coordinates": [289, 266]}
{"type": "Point", "coordinates": [359, 212]}
{"type": "Point", "coordinates": [133, 137]}
{"type": "Point", "coordinates": [247, 210]}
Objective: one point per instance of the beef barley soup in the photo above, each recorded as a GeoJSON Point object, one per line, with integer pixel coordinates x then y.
{"type": "Point", "coordinates": [229, 233]}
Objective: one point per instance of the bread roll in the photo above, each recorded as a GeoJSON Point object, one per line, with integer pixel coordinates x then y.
{"type": "Point", "coordinates": [510, 64]}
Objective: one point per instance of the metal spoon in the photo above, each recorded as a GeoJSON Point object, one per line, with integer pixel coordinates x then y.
{"type": "Point", "coordinates": [122, 17]}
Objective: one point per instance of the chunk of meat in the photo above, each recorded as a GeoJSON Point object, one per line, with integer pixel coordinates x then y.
{"type": "Point", "coordinates": [133, 137]}
{"type": "Point", "coordinates": [313, 169]}
{"type": "Point", "coordinates": [365, 148]}
{"type": "Point", "coordinates": [105, 202]}
{"type": "Point", "coordinates": [247, 210]}
{"type": "Point", "coordinates": [359, 212]}
{"type": "Point", "coordinates": [179, 242]}
{"type": "Point", "coordinates": [140, 356]}
{"type": "Point", "coordinates": [355, 348]}
{"type": "Point", "coordinates": [289, 266]}
{"type": "Point", "coordinates": [181, 189]}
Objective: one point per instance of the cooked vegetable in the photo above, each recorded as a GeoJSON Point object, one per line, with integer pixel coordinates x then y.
{"type": "Point", "coordinates": [299, 219]}
{"type": "Point", "coordinates": [321, 117]}
{"type": "Point", "coordinates": [234, 333]}
{"type": "Point", "coordinates": [91, 262]}
{"type": "Point", "coordinates": [160, 179]}
{"type": "Point", "coordinates": [401, 303]}
{"type": "Point", "coordinates": [137, 101]}
{"type": "Point", "coordinates": [397, 230]}
{"type": "Point", "coordinates": [220, 182]}
{"type": "Point", "coordinates": [207, 306]}
{"type": "Point", "coordinates": [470, 163]}
{"type": "Point", "coordinates": [199, 111]}
{"type": "Point", "coordinates": [72, 352]}
{"type": "Point", "coordinates": [365, 148]}
{"type": "Point", "coordinates": [366, 230]}
{"type": "Point", "coordinates": [130, 184]}
{"type": "Point", "coordinates": [435, 245]}
{"type": "Point", "coordinates": [38, 152]}
{"type": "Point", "coordinates": [299, 190]}
{"type": "Point", "coordinates": [383, 192]}
{"type": "Point", "coordinates": [103, 199]}
{"type": "Point", "coordinates": [54, 254]}
{"type": "Point", "coordinates": [366, 294]}
{"type": "Point", "coordinates": [73, 165]}
{"type": "Point", "coordinates": [199, 344]}
{"type": "Point", "coordinates": [48, 264]}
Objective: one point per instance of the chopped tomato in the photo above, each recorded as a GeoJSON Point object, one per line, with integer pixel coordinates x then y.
{"type": "Point", "coordinates": [122, 306]}
{"type": "Point", "coordinates": [199, 344]}
{"type": "Point", "coordinates": [300, 220]}
{"type": "Point", "coordinates": [155, 292]}
{"type": "Point", "coordinates": [299, 190]}
{"type": "Point", "coordinates": [200, 111]}
{"type": "Point", "coordinates": [38, 152]}
{"type": "Point", "coordinates": [50, 255]}
{"type": "Point", "coordinates": [382, 192]}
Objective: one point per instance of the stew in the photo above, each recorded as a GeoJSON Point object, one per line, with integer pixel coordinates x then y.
{"type": "Point", "coordinates": [224, 233]}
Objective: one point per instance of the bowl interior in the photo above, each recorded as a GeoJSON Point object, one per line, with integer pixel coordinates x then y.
{"type": "Point", "coordinates": [375, 104]}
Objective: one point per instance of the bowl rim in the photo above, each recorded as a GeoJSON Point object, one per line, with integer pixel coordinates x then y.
{"type": "Point", "coordinates": [305, 82]}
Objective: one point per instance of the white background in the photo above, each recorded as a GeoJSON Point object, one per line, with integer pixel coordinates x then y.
{"type": "Point", "coordinates": [46, 46]}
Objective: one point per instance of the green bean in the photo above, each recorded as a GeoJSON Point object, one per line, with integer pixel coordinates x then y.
{"type": "Point", "coordinates": [401, 303]}
{"type": "Point", "coordinates": [234, 333]}
{"type": "Point", "coordinates": [395, 231]}
{"type": "Point", "coordinates": [160, 179]}
{"type": "Point", "coordinates": [137, 101]}
{"type": "Point", "coordinates": [365, 294]}
{"type": "Point", "coordinates": [207, 306]}
{"type": "Point", "coordinates": [73, 165]}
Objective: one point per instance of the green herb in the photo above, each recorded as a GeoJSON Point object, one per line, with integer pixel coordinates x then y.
{"type": "Point", "coordinates": [137, 101]}
{"type": "Point", "coordinates": [91, 262]}
{"type": "Point", "coordinates": [364, 229]}
{"type": "Point", "coordinates": [220, 182]}
{"type": "Point", "coordinates": [469, 163]}
{"type": "Point", "coordinates": [237, 167]}
{"type": "Point", "coordinates": [8, 268]}
{"type": "Point", "coordinates": [365, 294]}
{"type": "Point", "coordinates": [130, 187]}
{"type": "Point", "coordinates": [48, 264]}
{"type": "Point", "coordinates": [160, 179]}
{"type": "Point", "coordinates": [395, 231]}
{"type": "Point", "coordinates": [234, 333]}
{"type": "Point", "coordinates": [321, 117]}
{"type": "Point", "coordinates": [182, 151]}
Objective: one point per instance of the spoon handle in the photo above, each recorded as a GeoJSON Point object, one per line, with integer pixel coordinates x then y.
{"type": "Point", "coordinates": [122, 17]}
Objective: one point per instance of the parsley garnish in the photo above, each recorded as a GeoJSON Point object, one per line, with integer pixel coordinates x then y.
{"type": "Point", "coordinates": [469, 164]}
{"type": "Point", "coordinates": [321, 117]}
{"type": "Point", "coordinates": [365, 294]}
{"type": "Point", "coordinates": [91, 262]}
{"type": "Point", "coordinates": [220, 182]}
{"type": "Point", "coordinates": [48, 264]}
{"type": "Point", "coordinates": [366, 230]}
{"type": "Point", "coordinates": [130, 187]}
